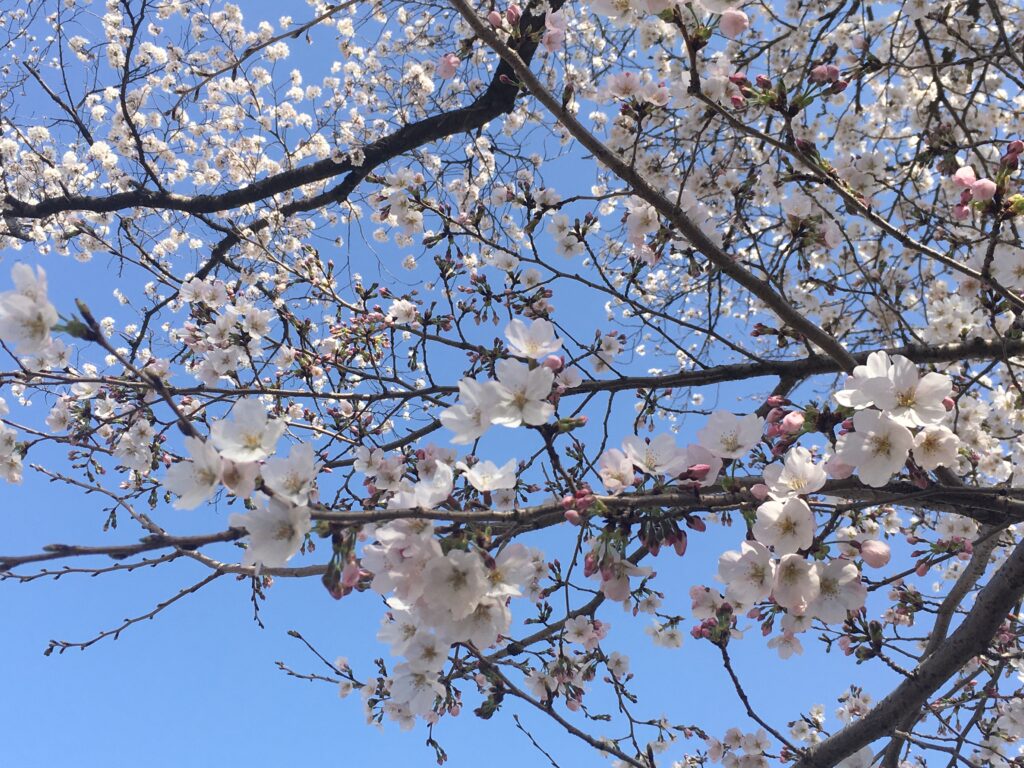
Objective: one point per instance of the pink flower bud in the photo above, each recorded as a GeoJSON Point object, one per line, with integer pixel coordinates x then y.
{"type": "Point", "coordinates": [922, 568]}
{"type": "Point", "coordinates": [844, 644]}
{"type": "Point", "coordinates": [948, 403]}
{"type": "Point", "coordinates": [1015, 147]}
{"type": "Point", "coordinates": [554, 362]}
{"type": "Point", "coordinates": [819, 74]}
{"type": "Point", "coordinates": [573, 516]}
{"type": "Point", "coordinates": [837, 470]}
{"type": "Point", "coordinates": [513, 14]}
{"type": "Point", "coordinates": [793, 423]}
{"type": "Point", "coordinates": [875, 553]}
{"type": "Point", "coordinates": [776, 401]}
{"type": "Point", "coordinates": [680, 545]}
{"type": "Point", "coordinates": [699, 471]}
{"type": "Point", "coordinates": [964, 177]}
{"type": "Point", "coordinates": [759, 491]}
{"type": "Point", "coordinates": [738, 79]}
{"type": "Point", "coordinates": [766, 83]}
{"type": "Point", "coordinates": [495, 19]}
{"type": "Point", "coordinates": [737, 100]}
{"type": "Point", "coordinates": [572, 705]}
{"type": "Point", "coordinates": [448, 65]}
{"type": "Point", "coordinates": [350, 575]}
{"type": "Point", "coordinates": [733, 23]}
{"type": "Point", "coordinates": [961, 212]}
{"type": "Point", "coordinates": [832, 72]}
{"type": "Point", "coordinates": [984, 189]}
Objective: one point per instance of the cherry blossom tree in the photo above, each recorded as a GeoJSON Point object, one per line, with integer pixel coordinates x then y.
{"type": "Point", "coordinates": [483, 311]}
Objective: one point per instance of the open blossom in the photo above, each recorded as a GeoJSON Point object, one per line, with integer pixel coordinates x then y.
{"type": "Point", "coordinates": [276, 532]}
{"type": "Point", "coordinates": [454, 585]}
{"type": "Point", "coordinates": [535, 340]}
{"type": "Point", "coordinates": [615, 577]}
{"type": "Point", "coordinates": [659, 456]}
{"type": "Point", "coordinates": [616, 470]}
{"type": "Point", "coordinates": [555, 26]}
{"type": "Point", "coordinates": [433, 488]}
{"type": "Point", "coordinates": [729, 436]}
{"type": "Point", "coordinates": [878, 448]}
{"type": "Point", "coordinates": [786, 645]}
{"type": "Point", "coordinates": [292, 478]}
{"type": "Point", "coordinates": [417, 688]}
{"type": "Point", "coordinates": [470, 418]}
{"type": "Point", "coordinates": [798, 475]}
{"type": "Point", "coordinates": [840, 590]}
{"type": "Point", "coordinates": [796, 583]}
{"type": "Point", "coordinates": [910, 399]}
{"type": "Point", "coordinates": [748, 574]}
{"type": "Point", "coordinates": [522, 393]}
{"type": "Point", "coordinates": [786, 526]}
{"type": "Point", "coordinates": [26, 315]}
{"type": "Point", "coordinates": [853, 395]}
{"type": "Point", "coordinates": [368, 460]}
{"type": "Point", "coordinates": [936, 447]}
{"type": "Point", "coordinates": [248, 435]}
{"type": "Point", "coordinates": [487, 476]}
{"type": "Point", "coordinates": [197, 480]}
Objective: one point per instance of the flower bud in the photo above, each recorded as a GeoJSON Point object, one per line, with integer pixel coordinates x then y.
{"type": "Point", "coordinates": [448, 65]}
{"type": "Point", "coordinates": [837, 470]}
{"type": "Point", "coordinates": [495, 19]}
{"type": "Point", "coordinates": [698, 471]}
{"type": "Point", "coordinates": [793, 423]}
{"type": "Point", "coordinates": [554, 362]}
{"type": "Point", "coordinates": [764, 82]}
{"type": "Point", "coordinates": [733, 23]}
{"type": "Point", "coordinates": [964, 177]}
{"type": "Point", "coordinates": [759, 491]}
{"type": "Point", "coordinates": [984, 189]}
{"type": "Point", "coordinates": [680, 544]}
{"type": "Point", "coordinates": [875, 553]}
{"type": "Point", "coordinates": [513, 14]}
{"type": "Point", "coordinates": [819, 74]}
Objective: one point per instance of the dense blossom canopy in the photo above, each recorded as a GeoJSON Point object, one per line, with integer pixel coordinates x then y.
{"type": "Point", "coordinates": [485, 312]}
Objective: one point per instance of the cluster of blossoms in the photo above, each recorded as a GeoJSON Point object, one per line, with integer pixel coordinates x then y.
{"type": "Point", "coordinates": [520, 393]}
{"type": "Point", "coordinates": [439, 598]}
{"type": "Point", "coordinates": [889, 398]}
{"type": "Point", "coordinates": [27, 317]}
{"type": "Point", "coordinates": [10, 455]}
{"type": "Point", "coordinates": [231, 336]}
{"type": "Point", "coordinates": [238, 456]}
